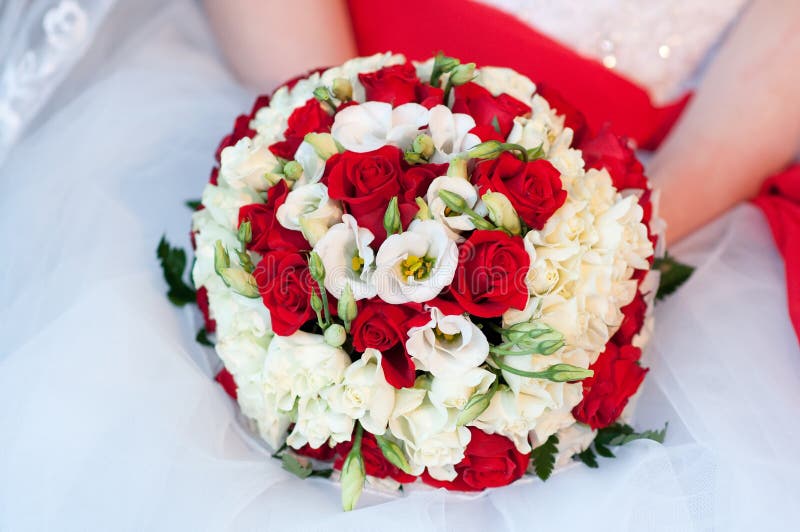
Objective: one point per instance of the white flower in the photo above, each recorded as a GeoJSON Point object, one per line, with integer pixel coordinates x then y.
{"type": "Point", "coordinates": [261, 407]}
{"type": "Point", "coordinates": [223, 203]}
{"type": "Point", "coordinates": [573, 440]}
{"type": "Point", "coordinates": [372, 125]}
{"type": "Point", "coordinates": [236, 314]}
{"type": "Point", "coordinates": [559, 418]}
{"type": "Point", "coordinates": [309, 209]}
{"type": "Point", "coordinates": [415, 265]}
{"type": "Point", "coordinates": [313, 165]}
{"type": "Point", "coordinates": [248, 165]}
{"type": "Point", "coordinates": [317, 424]}
{"type": "Point", "coordinates": [455, 223]}
{"type": "Point", "coordinates": [243, 354]}
{"type": "Point", "coordinates": [499, 80]}
{"type": "Point", "coordinates": [347, 258]}
{"type": "Point", "coordinates": [450, 133]}
{"type": "Point", "coordinates": [429, 433]}
{"type": "Point", "coordinates": [364, 393]}
{"type": "Point", "coordinates": [447, 346]}
{"type": "Point", "coordinates": [513, 416]}
{"type": "Point", "coordinates": [300, 366]}
{"type": "Point", "coordinates": [454, 391]}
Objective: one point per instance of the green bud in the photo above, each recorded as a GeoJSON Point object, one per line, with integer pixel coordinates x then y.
{"type": "Point", "coordinates": [323, 144]}
{"type": "Point", "coordinates": [316, 302]}
{"type": "Point", "coordinates": [240, 282]}
{"type": "Point", "coordinates": [292, 170]}
{"type": "Point", "coordinates": [452, 200]}
{"type": "Point", "coordinates": [322, 94]}
{"type": "Point", "coordinates": [391, 219]}
{"type": "Point", "coordinates": [462, 74]}
{"type": "Point", "coordinates": [245, 234]}
{"type": "Point", "coordinates": [457, 167]}
{"type": "Point", "coordinates": [393, 453]}
{"type": "Point", "coordinates": [335, 335]}
{"type": "Point", "coordinates": [423, 144]}
{"type": "Point", "coordinates": [491, 149]}
{"type": "Point", "coordinates": [566, 373]}
{"type": "Point", "coordinates": [414, 158]}
{"type": "Point", "coordinates": [442, 64]}
{"type": "Point", "coordinates": [476, 406]}
{"type": "Point", "coordinates": [245, 261]}
{"type": "Point", "coordinates": [316, 268]}
{"type": "Point", "coordinates": [424, 212]}
{"type": "Point", "coordinates": [481, 223]}
{"type": "Point", "coordinates": [502, 212]}
{"type": "Point", "coordinates": [353, 476]}
{"type": "Point", "coordinates": [347, 308]}
{"type": "Point", "coordinates": [221, 258]}
{"type": "Point", "coordinates": [342, 89]}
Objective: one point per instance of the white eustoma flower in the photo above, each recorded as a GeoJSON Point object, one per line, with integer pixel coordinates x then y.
{"type": "Point", "coordinates": [454, 223]}
{"type": "Point", "coordinates": [450, 133]}
{"type": "Point", "coordinates": [309, 209]}
{"type": "Point", "coordinates": [415, 265]}
{"type": "Point", "coordinates": [429, 433]}
{"type": "Point", "coordinates": [317, 424]}
{"type": "Point", "coordinates": [347, 258]}
{"type": "Point", "coordinates": [454, 391]}
{"type": "Point", "coordinates": [372, 125]}
{"type": "Point", "coordinates": [313, 165]}
{"type": "Point", "coordinates": [301, 365]}
{"type": "Point", "coordinates": [246, 164]}
{"type": "Point", "coordinates": [364, 393]}
{"type": "Point", "coordinates": [447, 346]}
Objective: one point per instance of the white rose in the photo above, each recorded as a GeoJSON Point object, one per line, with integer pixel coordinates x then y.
{"type": "Point", "coordinates": [301, 365]}
{"type": "Point", "coordinates": [236, 314]}
{"type": "Point", "coordinates": [450, 133]}
{"type": "Point", "coordinates": [347, 258]}
{"type": "Point", "coordinates": [243, 354]}
{"type": "Point", "coordinates": [207, 231]}
{"type": "Point", "coordinates": [429, 433]}
{"type": "Point", "coordinates": [372, 125]}
{"type": "Point", "coordinates": [513, 416]}
{"type": "Point", "coordinates": [555, 419]}
{"type": "Point", "coordinates": [317, 424]}
{"type": "Point", "coordinates": [499, 80]}
{"type": "Point", "coordinates": [447, 346]}
{"type": "Point", "coordinates": [415, 265]}
{"type": "Point", "coordinates": [261, 407]}
{"type": "Point", "coordinates": [309, 209]}
{"type": "Point", "coordinates": [573, 440]}
{"type": "Point", "coordinates": [455, 391]}
{"type": "Point", "coordinates": [458, 222]}
{"type": "Point", "coordinates": [223, 204]}
{"type": "Point", "coordinates": [364, 393]}
{"type": "Point", "coordinates": [246, 164]}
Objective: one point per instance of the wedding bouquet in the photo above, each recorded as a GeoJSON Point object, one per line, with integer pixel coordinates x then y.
{"type": "Point", "coordinates": [413, 273]}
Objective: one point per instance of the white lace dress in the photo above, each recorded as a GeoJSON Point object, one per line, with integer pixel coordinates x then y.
{"type": "Point", "coordinates": [109, 419]}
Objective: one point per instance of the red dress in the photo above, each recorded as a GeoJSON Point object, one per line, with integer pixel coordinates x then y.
{"type": "Point", "coordinates": [600, 94]}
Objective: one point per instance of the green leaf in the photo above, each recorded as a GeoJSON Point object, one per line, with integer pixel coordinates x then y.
{"type": "Point", "coordinates": [193, 204]}
{"type": "Point", "coordinates": [604, 451]}
{"type": "Point", "coordinates": [322, 473]}
{"type": "Point", "coordinates": [173, 265]}
{"type": "Point", "coordinates": [673, 275]}
{"type": "Point", "coordinates": [293, 466]}
{"type": "Point", "coordinates": [587, 457]}
{"type": "Point", "coordinates": [202, 338]}
{"type": "Point", "coordinates": [655, 435]}
{"type": "Point", "coordinates": [544, 457]}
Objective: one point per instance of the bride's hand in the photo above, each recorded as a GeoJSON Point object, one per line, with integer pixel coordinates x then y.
{"type": "Point", "coordinates": [742, 125]}
{"type": "Point", "coordinates": [268, 42]}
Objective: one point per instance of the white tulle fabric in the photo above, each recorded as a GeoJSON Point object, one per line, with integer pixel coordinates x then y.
{"type": "Point", "coordinates": [109, 417]}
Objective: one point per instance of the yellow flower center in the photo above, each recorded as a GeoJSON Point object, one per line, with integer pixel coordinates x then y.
{"type": "Point", "coordinates": [417, 267]}
{"type": "Point", "coordinates": [445, 336]}
{"type": "Point", "coordinates": [358, 263]}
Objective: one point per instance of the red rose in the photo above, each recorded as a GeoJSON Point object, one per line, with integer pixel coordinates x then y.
{"type": "Point", "coordinates": [365, 182]}
{"type": "Point", "coordinates": [573, 118]}
{"type": "Point", "coordinates": [285, 286]}
{"type": "Point", "coordinates": [385, 327]}
{"type": "Point", "coordinates": [617, 376]}
{"type": "Point", "coordinates": [268, 234]}
{"type": "Point", "coordinates": [486, 133]}
{"type": "Point", "coordinates": [478, 102]}
{"type": "Point", "coordinates": [375, 464]}
{"type": "Point", "coordinates": [415, 181]}
{"type": "Point", "coordinates": [634, 313]}
{"type": "Point", "coordinates": [490, 461]}
{"type": "Point", "coordinates": [399, 84]}
{"type": "Point", "coordinates": [613, 153]}
{"type": "Point", "coordinates": [225, 379]}
{"type": "Point", "coordinates": [490, 277]}
{"type": "Point", "coordinates": [213, 178]}
{"type": "Point", "coordinates": [324, 453]}
{"type": "Point", "coordinates": [310, 118]}
{"type": "Point", "coordinates": [202, 304]}
{"type": "Point", "coordinates": [534, 188]}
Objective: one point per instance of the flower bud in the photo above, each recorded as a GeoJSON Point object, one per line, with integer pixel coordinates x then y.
{"type": "Point", "coordinates": [342, 89]}
{"type": "Point", "coordinates": [221, 258]}
{"type": "Point", "coordinates": [462, 74]}
{"type": "Point", "coordinates": [316, 268]}
{"type": "Point", "coordinates": [316, 302]}
{"type": "Point", "coordinates": [292, 170]}
{"type": "Point", "coordinates": [491, 149]}
{"type": "Point", "coordinates": [323, 144]}
{"type": "Point", "coordinates": [245, 233]}
{"type": "Point", "coordinates": [424, 212]}
{"type": "Point", "coordinates": [391, 220]}
{"type": "Point", "coordinates": [414, 158]}
{"type": "Point", "coordinates": [502, 212]}
{"type": "Point", "coordinates": [335, 335]}
{"type": "Point", "coordinates": [423, 144]}
{"type": "Point", "coordinates": [240, 282]}
{"type": "Point", "coordinates": [565, 373]}
{"type": "Point", "coordinates": [353, 476]}
{"type": "Point", "coordinates": [457, 168]}
{"type": "Point", "coordinates": [452, 200]}
{"type": "Point", "coordinates": [393, 453]}
{"type": "Point", "coordinates": [322, 94]}
{"type": "Point", "coordinates": [476, 405]}
{"type": "Point", "coordinates": [347, 308]}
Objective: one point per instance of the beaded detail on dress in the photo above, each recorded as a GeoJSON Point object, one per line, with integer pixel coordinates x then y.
{"type": "Point", "coordinates": [658, 44]}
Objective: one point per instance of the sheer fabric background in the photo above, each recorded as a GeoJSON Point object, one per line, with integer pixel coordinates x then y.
{"type": "Point", "coordinates": [109, 418]}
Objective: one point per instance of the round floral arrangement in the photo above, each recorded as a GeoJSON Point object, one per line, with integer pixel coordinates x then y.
{"type": "Point", "coordinates": [424, 271]}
